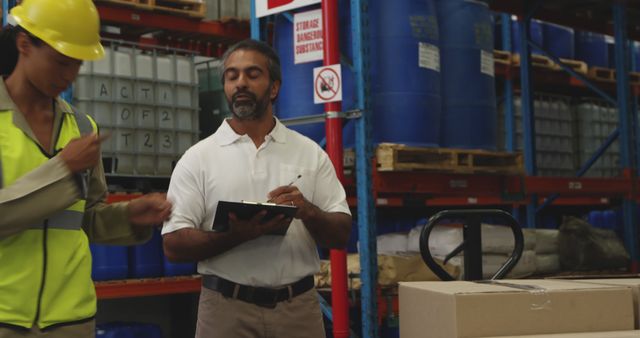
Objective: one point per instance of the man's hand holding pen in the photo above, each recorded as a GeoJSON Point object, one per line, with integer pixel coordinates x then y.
{"type": "Point", "coordinates": [291, 195]}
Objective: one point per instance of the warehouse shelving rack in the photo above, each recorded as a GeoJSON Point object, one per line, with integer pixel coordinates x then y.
{"type": "Point", "coordinates": [389, 189]}
{"type": "Point", "coordinates": [602, 17]}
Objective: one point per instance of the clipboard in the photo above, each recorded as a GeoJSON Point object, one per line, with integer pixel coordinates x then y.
{"type": "Point", "coordinates": [244, 210]}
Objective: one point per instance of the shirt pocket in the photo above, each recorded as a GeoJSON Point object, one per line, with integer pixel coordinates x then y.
{"type": "Point", "coordinates": [303, 178]}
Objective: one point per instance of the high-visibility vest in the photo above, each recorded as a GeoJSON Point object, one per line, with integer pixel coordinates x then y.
{"type": "Point", "coordinates": [45, 271]}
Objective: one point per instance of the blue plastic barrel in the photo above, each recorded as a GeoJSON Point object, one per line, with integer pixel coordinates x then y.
{"type": "Point", "coordinates": [114, 330]}
{"type": "Point", "coordinates": [296, 93]}
{"type": "Point", "coordinates": [469, 116]}
{"type": "Point", "coordinates": [610, 220]}
{"type": "Point", "coordinates": [405, 72]}
{"type": "Point", "coordinates": [592, 49]}
{"type": "Point", "coordinates": [146, 260]}
{"type": "Point", "coordinates": [636, 57]}
{"type": "Point", "coordinates": [109, 262]}
{"type": "Point", "coordinates": [142, 330]}
{"type": "Point", "coordinates": [596, 219]}
{"type": "Point", "coordinates": [535, 30]}
{"type": "Point", "coordinates": [178, 269]}
{"type": "Point", "coordinates": [559, 40]}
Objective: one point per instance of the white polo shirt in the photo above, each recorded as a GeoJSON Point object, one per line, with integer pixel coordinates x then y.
{"type": "Point", "coordinates": [227, 166]}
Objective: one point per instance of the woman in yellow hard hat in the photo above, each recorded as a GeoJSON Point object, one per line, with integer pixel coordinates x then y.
{"type": "Point", "coordinates": [52, 185]}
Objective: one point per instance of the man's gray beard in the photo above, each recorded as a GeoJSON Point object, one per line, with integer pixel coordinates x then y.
{"type": "Point", "coordinates": [246, 111]}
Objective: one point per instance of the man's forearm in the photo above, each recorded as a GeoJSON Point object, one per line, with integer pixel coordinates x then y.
{"type": "Point", "coordinates": [193, 245]}
{"type": "Point", "coordinates": [329, 229]}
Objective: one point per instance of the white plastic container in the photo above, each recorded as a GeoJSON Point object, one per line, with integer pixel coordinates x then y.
{"type": "Point", "coordinates": [166, 142]}
{"type": "Point", "coordinates": [145, 117]}
{"type": "Point", "coordinates": [123, 62]}
{"type": "Point", "coordinates": [145, 141]}
{"type": "Point", "coordinates": [165, 68]}
{"type": "Point", "coordinates": [125, 115]}
{"type": "Point", "coordinates": [124, 140]}
{"type": "Point", "coordinates": [166, 118]}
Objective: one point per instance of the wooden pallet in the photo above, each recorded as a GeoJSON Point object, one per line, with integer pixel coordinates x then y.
{"type": "Point", "coordinates": [536, 60]}
{"type": "Point", "coordinates": [398, 157]}
{"type": "Point", "coordinates": [602, 74]}
{"type": "Point", "coordinates": [189, 8]}
{"type": "Point", "coordinates": [500, 56]}
{"type": "Point", "coordinates": [144, 4]}
{"type": "Point", "coordinates": [577, 66]}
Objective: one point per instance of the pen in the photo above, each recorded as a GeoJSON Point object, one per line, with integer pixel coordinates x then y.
{"type": "Point", "coordinates": [290, 183]}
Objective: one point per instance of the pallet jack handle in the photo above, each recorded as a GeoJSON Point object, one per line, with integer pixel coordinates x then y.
{"type": "Point", "coordinates": [472, 242]}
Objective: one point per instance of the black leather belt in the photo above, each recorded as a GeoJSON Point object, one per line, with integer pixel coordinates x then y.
{"type": "Point", "coordinates": [265, 297]}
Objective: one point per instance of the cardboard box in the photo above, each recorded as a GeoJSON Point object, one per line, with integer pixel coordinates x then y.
{"type": "Point", "coordinates": [633, 283]}
{"type": "Point", "coordinates": [610, 334]}
{"type": "Point", "coordinates": [511, 307]}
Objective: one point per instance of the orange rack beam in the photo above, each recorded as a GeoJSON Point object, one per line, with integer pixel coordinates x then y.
{"type": "Point", "coordinates": [147, 287]}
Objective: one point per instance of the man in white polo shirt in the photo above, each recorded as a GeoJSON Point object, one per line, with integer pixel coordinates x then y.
{"type": "Point", "coordinates": [255, 284]}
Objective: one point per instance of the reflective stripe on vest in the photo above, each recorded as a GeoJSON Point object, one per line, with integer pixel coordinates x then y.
{"type": "Point", "coordinates": [64, 220]}
{"type": "Point", "coordinates": [82, 120]}
{"type": "Point", "coordinates": [51, 259]}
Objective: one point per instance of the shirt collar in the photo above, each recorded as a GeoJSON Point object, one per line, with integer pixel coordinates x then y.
{"type": "Point", "coordinates": [5, 100]}
{"type": "Point", "coordinates": [279, 132]}
{"type": "Point", "coordinates": [226, 134]}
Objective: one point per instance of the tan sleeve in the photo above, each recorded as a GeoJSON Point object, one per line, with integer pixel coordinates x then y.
{"type": "Point", "coordinates": [35, 196]}
{"type": "Point", "coordinates": [108, 223]}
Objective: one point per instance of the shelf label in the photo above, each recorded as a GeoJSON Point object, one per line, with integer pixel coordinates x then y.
{"type": "Point", "coordinates": [472, 200]}
{"type": "Point", "coordinates": [307, 36]}
{"type": "Point", "coordinates": [486, 63]}
{"type": "Point", "coordinates": [575, 185]}
{"type": "Point", "coordinates": [429, 56]}
{"type": "Point", "coordinates": [268, 7]}
{"type": "Point", "coordinates": [458, 184]}
{"type": "Point", "coordinates": [382, 201]}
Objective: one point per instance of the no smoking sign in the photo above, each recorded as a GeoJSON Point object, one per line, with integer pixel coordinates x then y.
{"type": "Point", "coordinates": [327, 84]}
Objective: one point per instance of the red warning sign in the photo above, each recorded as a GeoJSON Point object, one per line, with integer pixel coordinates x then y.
{"type": "Point", "coordinates": [327, 84]}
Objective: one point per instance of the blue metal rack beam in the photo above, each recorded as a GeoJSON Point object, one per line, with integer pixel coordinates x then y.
{"type": "Point", "coordinates": [255, 22]}
{"type": "Point", "coordinates": [528, 118]}
{"type": "Point", "coordinates": [6, 6]}
{"type": "Point", "coordinates": [509, 120]}
{"type": "Point", "coordinates": [627, 121]}
{"type": "Point", "coordinates": [364, 151]}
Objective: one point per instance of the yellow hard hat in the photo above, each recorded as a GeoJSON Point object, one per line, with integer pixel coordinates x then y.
{"type": "Point", "coordinates": [72, 27]}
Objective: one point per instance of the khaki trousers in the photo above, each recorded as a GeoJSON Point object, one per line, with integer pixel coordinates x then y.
{"type": "Point", "coordinates": [82, 330]}
{"type": "Point", "coordinates": [220, 317]}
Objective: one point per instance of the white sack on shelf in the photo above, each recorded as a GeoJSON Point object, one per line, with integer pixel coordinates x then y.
{"type": "Point", "coordinates": [547, 263]}
{"type": "Point", "coordinates": [492, 262]}
{"type": "Point", "coordinates": [445, 238]}
{"type": "Point", "coordinates": [547, 241]}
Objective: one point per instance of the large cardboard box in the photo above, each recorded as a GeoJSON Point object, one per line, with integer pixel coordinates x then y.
{"type": "Point", "coordinates": [633, 283]}
{"type": "Point", "coordinates": [511, 307]}
{"type": "Point", "coordinates": [611, 334]}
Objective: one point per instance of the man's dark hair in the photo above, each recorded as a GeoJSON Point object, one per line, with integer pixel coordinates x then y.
{"type": "Point", "coordinates": [273, 61]}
